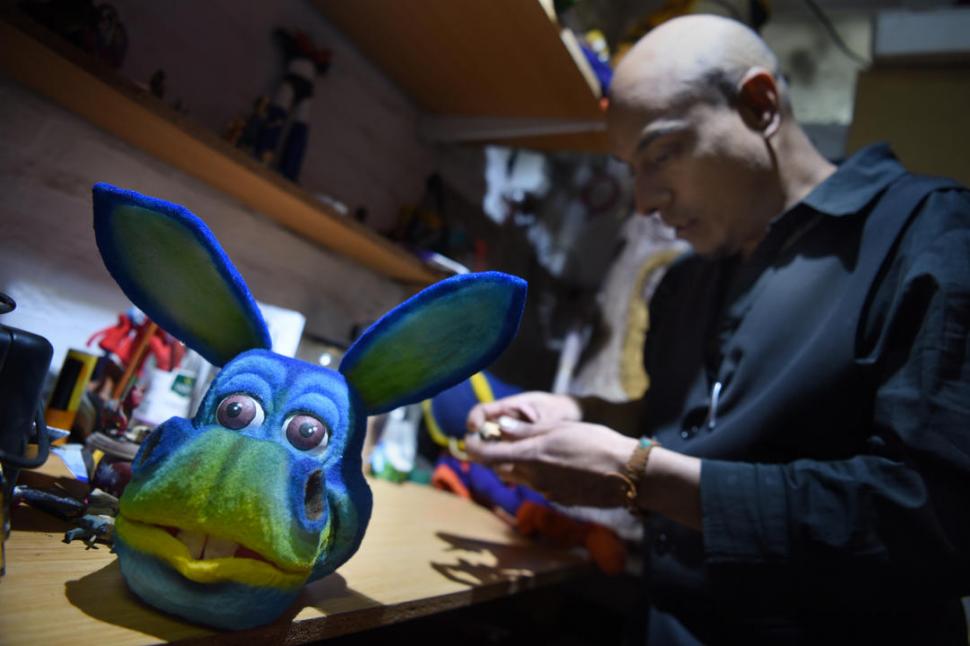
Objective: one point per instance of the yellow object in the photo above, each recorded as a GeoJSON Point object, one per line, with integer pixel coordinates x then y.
{"type": "Point", "coordinates": [73, 380]}
{"type": "Point", "coordinates": [490, 432]}
{"type": "Point", "coordinates": [483, 392]}
{"type": "Point", "coordinates": [633, 377]}
{"type": "Point", "coordinates": [481, 388]}
{"type": "Point", "coordinates": [597, 42]}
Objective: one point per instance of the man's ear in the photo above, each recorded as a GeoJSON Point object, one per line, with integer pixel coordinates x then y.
{"type": "Point", "coordinates": [759, 101]}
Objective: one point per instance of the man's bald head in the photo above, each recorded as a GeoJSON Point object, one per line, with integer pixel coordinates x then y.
{"type": "Point", "coordinates": [690, 59]}
{"type": "Point", "coordinates": [699, 112]}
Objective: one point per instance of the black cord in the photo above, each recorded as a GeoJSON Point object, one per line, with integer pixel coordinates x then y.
{"type": "Point", "coordinates": [43, 446]}
{"type": "Point", "coordinates": [830, 28]}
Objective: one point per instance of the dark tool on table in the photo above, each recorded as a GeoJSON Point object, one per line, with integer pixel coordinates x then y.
{"type": "Point", "coordinates": [24, 361]}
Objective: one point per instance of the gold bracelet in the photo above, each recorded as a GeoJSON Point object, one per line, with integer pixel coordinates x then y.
{"type": "Point", "coordinates": [633, 473]}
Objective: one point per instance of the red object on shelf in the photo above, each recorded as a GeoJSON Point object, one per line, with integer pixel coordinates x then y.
{"type": "Point", "coordinates": [125, 336]}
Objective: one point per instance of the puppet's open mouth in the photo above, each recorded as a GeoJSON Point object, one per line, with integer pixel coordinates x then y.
{"type": "Point", "coordinates": [206, 559]}
{"type": "Point", "coordinates": [203, 547]}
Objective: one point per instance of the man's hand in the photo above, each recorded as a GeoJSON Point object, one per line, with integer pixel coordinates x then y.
{"type": "Point", "coordinates": [571, 462]}
{"type": "Point", "coordinates": [567, 461]}
{"type": "Point", "coordinates": [536, 408]}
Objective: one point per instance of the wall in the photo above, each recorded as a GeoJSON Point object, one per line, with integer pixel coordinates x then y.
{"type": "Point", "coordinates": [921, 110]}
{"type": "Point", "coordinates": [49, 159]}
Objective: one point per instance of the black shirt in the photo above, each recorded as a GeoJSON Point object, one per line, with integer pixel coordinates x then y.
{"type": "Point", "coordinates": [825, 383]}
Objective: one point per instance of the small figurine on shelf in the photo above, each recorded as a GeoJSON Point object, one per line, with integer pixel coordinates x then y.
{"type": "Point", "coordinates": [597, 53]}
{"type": "Point", "coordinates": [243, 130]}
{"type": "Point", "coordinates": [304, 61]}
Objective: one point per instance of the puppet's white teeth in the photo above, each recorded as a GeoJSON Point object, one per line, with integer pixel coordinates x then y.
{"type": "Point", "coordinates": [195, 541]}
{"type": "Point", "coordinates": [219, 548]}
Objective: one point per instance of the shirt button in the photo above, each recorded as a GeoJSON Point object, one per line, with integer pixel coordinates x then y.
{"type": "Point", "coordinates": [661, 543]}
{"type": "Point", "coordinates": [686, 434]}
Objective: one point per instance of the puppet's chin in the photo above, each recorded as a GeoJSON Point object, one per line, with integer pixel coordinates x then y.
{"type": "Point", "coordinates": [225, 604]}
{"type": "Point", "coordinates": [228, 592]}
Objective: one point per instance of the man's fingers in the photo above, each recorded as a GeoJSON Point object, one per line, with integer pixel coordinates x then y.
{"type": "Point", "coordinates": [491, 452]}
{"type": "Point", "coordinates": [517, 429]}
{"type": "Point", "coordinates": [506, 429]}
{"type": "Point", "coordinates": [476, 417]}
{"type": "Point", "coordinates": [509, 422]}
{"type": "Point", "coordinates": [481, 413]}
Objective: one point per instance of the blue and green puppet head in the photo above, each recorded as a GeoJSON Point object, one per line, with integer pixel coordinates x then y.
{"type": "Point", "coordinates": [230, 513]}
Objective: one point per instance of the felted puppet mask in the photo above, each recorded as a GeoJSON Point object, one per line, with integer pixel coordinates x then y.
{"type": "Point", "coordinates": [230, 513]}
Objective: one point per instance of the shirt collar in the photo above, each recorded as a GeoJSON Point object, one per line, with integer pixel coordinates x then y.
{"type": "Point", "coordinates": [856, 182]}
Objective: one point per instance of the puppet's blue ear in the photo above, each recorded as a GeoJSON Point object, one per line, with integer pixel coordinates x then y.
{"type": "Point", "coordinates": [169, 264]}
{"type": "Point", "coordinates": [435, 339]}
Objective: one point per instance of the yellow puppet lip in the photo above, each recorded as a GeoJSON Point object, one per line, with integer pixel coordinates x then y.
{"type": "Point", "coordinates": [254, 570]}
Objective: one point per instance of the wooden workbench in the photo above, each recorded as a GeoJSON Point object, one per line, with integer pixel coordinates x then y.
{"type": "Point", "coordinates": [424, 552]}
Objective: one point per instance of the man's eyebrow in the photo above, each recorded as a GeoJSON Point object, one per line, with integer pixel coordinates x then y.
{"type": "Point", "coordinates": [656, 132]}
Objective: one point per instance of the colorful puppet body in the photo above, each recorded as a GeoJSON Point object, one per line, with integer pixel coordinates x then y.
{"type": "Point", "coordinates": [229, 514]}
{"type": "Point", "coordinates": [526, 510]}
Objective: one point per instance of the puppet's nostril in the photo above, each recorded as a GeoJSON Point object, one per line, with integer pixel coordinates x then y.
{"type": "Point", "coordinates": [147, 447]}
{"type": "Point", "coordinates": [313, 496]}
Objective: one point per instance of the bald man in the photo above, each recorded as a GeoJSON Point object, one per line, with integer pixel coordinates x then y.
{"type": "Point", "coordinates": [805, 461]}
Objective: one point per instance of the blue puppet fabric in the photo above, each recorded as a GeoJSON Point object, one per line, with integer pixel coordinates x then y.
{"type": "Point", "coordinates": [168, 262]}
{"type": "Point", "coordinates": [433, 339]}
{"type": "Point", "coordinates": [229, 514]}
{"type": "Point", "coordinates": [487, 489]}
{"type": "Point", "coordinates": [248, 485]}
{"type": "Point", "coordinates": [449, 408]}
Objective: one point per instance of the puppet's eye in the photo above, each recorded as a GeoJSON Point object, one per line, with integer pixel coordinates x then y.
{"type": "Point", "coordinates": [306, 432]}
{"type": "Point", "coordinates": [239, 411]}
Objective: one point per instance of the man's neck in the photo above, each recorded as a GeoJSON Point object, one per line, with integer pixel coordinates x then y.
{"type": "Point", "coordinates": [802, 167]}
{"type": "Point", "coordinates": [799, 169]}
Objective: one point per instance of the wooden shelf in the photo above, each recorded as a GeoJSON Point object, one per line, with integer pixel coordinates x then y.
{"type": "Point", "coordinates": [502, 59]}
{"type": "Point", "coordinates": [42, 62]}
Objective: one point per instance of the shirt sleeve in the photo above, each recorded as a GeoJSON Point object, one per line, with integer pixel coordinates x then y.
{"type": "Point", "coordinates": [896, 517]}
